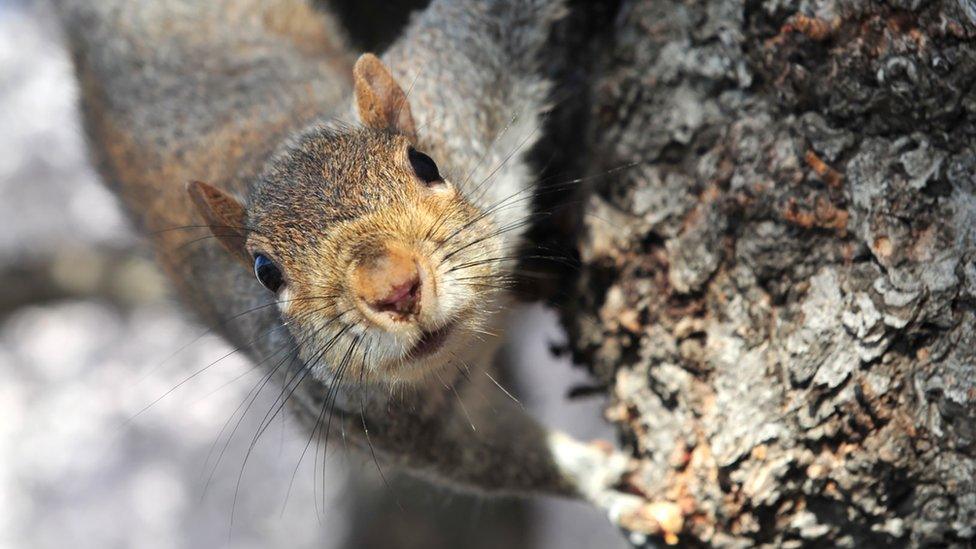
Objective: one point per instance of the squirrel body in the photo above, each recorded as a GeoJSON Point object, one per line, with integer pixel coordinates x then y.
{"type": "Point", "coordinates": [380, 216]}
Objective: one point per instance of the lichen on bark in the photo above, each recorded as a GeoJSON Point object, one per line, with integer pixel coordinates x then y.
{"type": "Point", "coordinates": [780, 291]}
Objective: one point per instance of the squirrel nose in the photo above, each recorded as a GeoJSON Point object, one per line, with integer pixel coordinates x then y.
{"type": "Point", "coordinates": [403, 298]}
{"type": "Point", "coordinates": [389, 283]}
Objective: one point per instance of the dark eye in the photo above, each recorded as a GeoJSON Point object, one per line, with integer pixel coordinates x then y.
{"type": "Point", "coordinates": [424, 167]}
{"type": "Point", "coordinates": [269, 275]}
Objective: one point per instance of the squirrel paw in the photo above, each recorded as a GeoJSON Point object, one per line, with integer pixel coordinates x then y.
{"type": "Point", "coordinates": [606, 477]}
{"type": "Point", "coordinates": [640, 516]}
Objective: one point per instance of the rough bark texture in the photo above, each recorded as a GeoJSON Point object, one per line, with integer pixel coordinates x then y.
{"type": "Point", "coordinates": [780, 295]}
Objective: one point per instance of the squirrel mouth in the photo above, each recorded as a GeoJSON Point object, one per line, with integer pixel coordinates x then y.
{"type": "Point", "coordinates": [430, 342]}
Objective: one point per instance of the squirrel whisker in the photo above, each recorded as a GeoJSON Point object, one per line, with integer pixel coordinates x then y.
{"type": "Point", "coordinates": [252, 396]}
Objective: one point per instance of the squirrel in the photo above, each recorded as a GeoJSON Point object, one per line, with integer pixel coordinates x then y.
{"type": "Point", "coordinates": [362, 212]}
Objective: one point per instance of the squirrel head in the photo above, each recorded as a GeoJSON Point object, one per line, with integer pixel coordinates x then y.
{"type": "Point", "coordinates": [378, 263]}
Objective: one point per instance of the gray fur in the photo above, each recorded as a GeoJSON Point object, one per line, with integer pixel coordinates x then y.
{"type": "Point", "coordinates": [176, 90]}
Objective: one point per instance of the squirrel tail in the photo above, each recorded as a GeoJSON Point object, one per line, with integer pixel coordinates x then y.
{"type": "Point", "coordinates": [482, 56]}
{"type": "Point", "coordinates": [523, 28]}
{"type": "Point", "coordinates": [514, 31]}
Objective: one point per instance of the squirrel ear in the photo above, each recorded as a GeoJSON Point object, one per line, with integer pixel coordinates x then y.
{"type": "Point", "coordinates": [225, 216]}
{"type": "Point", "coordinates": [381, 102]}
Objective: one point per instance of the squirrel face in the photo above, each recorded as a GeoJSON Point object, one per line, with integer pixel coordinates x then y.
{"type": "Point", "coordinates": [363, 238]}
{"type": "Point", "coordinates": [378, 263]}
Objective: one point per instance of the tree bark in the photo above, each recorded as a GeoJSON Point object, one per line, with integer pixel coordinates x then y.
{"type": "Point", "coordinates": [779, 293]}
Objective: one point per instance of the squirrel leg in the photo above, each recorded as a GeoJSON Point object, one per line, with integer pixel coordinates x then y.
{"type": "Point", "coordinates": [480, 439]}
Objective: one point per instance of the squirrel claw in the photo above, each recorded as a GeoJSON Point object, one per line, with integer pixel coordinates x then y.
{"type": "Point", "coordinates": [609, 479]}
{"type": "Point", "coordinates": [625, 501]}
{"type": "Point", "coordinates": [657, 518]}
{"type": "Point", "coordinates": [604, 446]}
{"type": "Point", "coordinates": [638, 515]}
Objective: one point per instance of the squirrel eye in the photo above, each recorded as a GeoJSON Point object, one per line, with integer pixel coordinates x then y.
{"type": "Point", "coordinates": [424, 167]}
{"type": "Point", "coordinates": [269, 275]}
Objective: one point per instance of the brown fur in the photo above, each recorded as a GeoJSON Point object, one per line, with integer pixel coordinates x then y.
{"type": "Point", "coordinates": [210, 91]}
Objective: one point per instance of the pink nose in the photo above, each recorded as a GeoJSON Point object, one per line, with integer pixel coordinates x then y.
{"type": "Point", "coordinates": [403, 298]}
{"type": "Point", "coordinates": [389, 283]}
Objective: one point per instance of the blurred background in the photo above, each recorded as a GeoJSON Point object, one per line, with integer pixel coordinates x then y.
{"type": "Point", "coordinates": [107, 439]}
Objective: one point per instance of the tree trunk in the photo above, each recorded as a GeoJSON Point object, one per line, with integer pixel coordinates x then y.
{"type": "Point", "coordinates": [780, 293]}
